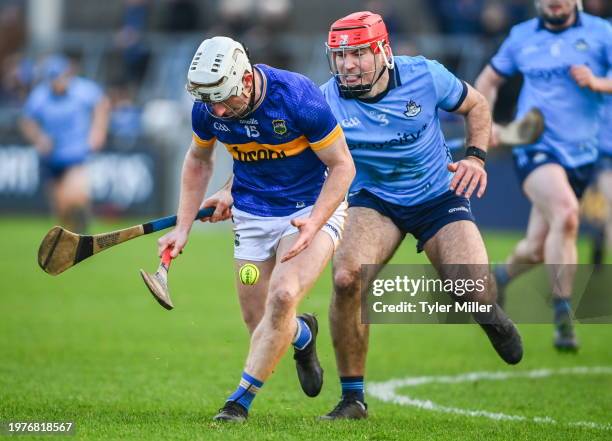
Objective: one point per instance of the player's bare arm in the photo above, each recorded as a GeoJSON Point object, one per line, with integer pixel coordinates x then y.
{"type": "Point", "coordinates": [99, 124]}
{"type": "Point", "coordinates": [488, 84]}
{"type": "Point", "coordinates": [470, 172]}
{"type": "Point", "coordinates": [34, 134]}
{"type": "Point", "coordinates": [340, 175]}
{"type": "Point", "coordinates": [197, 170]}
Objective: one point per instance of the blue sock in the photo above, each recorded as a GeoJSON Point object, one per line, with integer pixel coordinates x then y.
{"type": "Point", "coordinates": [562, 307]}
{"type": "Point", "coordinates": [246, 391]}
{"type": "Point", "coordinates": [353, 387]}
{"type": "Point", "coordinates": [303, 336]}
{"type": "Point", "coordinates": [501, 274]}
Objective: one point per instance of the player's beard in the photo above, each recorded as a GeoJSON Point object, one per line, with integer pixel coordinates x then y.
{"type": "Point", "coordinates": [554, 20]}
{"type": "Point", "coordinates": [557, 20]}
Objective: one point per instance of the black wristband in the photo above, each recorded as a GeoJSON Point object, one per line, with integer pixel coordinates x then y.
{"type": "Point", "coordinates": [476, 153]}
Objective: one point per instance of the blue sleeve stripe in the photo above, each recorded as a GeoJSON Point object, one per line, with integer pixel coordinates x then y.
{"type": "Point", "coordinates": [499, 72]}
{"type": "Point", "coordinates": [461, 98]}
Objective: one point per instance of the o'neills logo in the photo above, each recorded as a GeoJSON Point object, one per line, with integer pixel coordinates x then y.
{"type": "Point", "coordinates": [256, 155]}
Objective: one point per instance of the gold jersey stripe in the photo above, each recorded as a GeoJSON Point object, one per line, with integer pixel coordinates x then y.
{"type": "Point", "coordinates": [328, 140]}
{"type": "Point", "coordinates": [203, 142]}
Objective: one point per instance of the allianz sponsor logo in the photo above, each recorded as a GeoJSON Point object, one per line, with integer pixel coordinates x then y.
{"type": "Point", "coordinates": [455, 209]}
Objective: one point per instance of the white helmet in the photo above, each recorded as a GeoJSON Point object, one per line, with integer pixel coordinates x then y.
{"type": "Point", "coordinates": [216, 70]}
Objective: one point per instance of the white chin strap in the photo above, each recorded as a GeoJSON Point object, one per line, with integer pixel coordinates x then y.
{"type": "Point", "coordinates": [389, 62]}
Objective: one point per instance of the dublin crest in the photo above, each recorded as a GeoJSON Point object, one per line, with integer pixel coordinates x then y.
{"type": "Point", "coordinates": [412, 109]}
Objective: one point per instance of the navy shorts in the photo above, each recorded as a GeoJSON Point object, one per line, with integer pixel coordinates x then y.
{"type": "Point", "coordinates": [579, 178]}
{"type": "Point", "coordinates": [424, 220]}
{"type": "Point", "coordinates": [604, 162]}
{"type": "Point", "coordinates": [55, 170]}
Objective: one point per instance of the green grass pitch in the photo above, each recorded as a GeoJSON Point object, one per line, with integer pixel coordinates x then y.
{"type": "Point", "coordinates": [92, 346]}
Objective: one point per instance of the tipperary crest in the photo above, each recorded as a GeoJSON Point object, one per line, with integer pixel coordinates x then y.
{"type": "Point", "coordinates": [279, 126]}
{"type": "Point", "coordinates": [412, 109]}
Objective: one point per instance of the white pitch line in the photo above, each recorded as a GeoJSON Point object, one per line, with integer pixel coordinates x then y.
{"type": "Point", "coordinates": [386, 391]}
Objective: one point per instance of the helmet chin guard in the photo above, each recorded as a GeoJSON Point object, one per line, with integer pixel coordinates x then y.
{"type": "Point", "coordinates": [216, 70]}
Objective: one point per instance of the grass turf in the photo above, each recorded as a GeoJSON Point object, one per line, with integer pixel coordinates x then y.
{"type": "Point", "coordinates": [92, 346]}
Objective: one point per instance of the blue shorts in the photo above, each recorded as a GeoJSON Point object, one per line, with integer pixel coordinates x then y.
{"type": "Point", "coordinates": [424, 220]}
{"type": "Point", "coordinates": [604, 162]}
{"type": "Point", "coordinates": [526, 161]}
{"type": "Point", "coordinates": [56, 170]}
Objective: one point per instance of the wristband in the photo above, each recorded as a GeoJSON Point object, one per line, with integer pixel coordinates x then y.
{"type": "Point", "coordinates": [476, 152]}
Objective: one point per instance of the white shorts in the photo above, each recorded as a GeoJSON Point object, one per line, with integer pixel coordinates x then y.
{"type": "Point", "coordinates": [256, 238]}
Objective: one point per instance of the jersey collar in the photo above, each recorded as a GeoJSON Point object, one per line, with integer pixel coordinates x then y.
{"type": "Point", "coordinates": [264, 89]}
{"type": "Point", "coordinates": [394, 81]}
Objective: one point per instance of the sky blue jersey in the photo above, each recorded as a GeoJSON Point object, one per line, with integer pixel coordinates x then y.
{"type": "Point", "coordinates": [66, 118]}
{"type": "Point", "coordinates": [544, 59]}
{"type": "Point", "coordinates": [276, 171]}
{"type": "Point", "coordinates": [395, 138]}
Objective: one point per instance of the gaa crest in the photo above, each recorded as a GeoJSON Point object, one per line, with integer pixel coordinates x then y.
{"type": "Point", "coordinates": [412, 109]}
{"type": "Point", "coordinates": [279, 126]}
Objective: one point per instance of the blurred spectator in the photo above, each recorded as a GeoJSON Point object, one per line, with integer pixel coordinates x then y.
{"type": "Point", "coordinates": [17, 78]}
{"type": "Point", "coordinates": [236, 17]}
{"type": "Point", "coordinates": [261, 26]}
{"type": "Point", "coordinates": [499, 16]}
{"type": "Point", "coordinates": [180, 16]}
{"type": "Point", "coordinates": [12, 30]}
{"type": "Point", "coordinates": [458, 16]}
{"type": "Point", "coordinates": [389, 15]}
{"type": "Point", "coordinates": [65, 118]}
{"type": "Point", "coordinates": [601, 8]}
{"type": "Point", "coordinates": [495, 20]}
{"type": "Point", "coordinates": [479, 17]}
{"type": "Point", "coordinates": [125, 116]}
{"type": "Point", "coordinates": [129, 39]}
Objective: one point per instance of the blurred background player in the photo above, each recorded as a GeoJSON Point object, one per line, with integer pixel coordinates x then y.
{"type": "Point", "coordinates": [562, 55]}
{"type": "Point", "coordinates": [406, 182]}
{"type": "Point", "coordinates": [603, 233]}
{"type": "Point", "coordinates": [66, 118]}
{"type": "Point", "coordinates": [292, 170]}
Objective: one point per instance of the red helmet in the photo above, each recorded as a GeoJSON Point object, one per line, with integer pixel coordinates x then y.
{"type": "Point", "coordinates": [358, 29]}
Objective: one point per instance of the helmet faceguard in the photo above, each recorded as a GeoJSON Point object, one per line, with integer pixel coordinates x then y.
{"type": "Point", "coordinates": [216, 71]}
{"type": "Point", "coordinates": [357, 34]}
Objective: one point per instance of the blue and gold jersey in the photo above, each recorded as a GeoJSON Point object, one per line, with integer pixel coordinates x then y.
{"type": "Point", "coordinates": [276, 171]}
